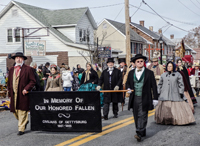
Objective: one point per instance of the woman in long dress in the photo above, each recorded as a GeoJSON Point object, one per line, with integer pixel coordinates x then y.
{"type": "Point", "coordinates": [171, 108]}
{"type": "Point", "coordinates": [89, 79]}
{"type": "Point", "coordinates": [54, 80]}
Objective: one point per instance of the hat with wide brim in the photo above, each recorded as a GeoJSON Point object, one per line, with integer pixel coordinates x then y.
{"type": "Point", "coordinates": [138, 56]}
{"type": "Point", "coordinates": [154, 59]}
{"type": "Point", "coordinates": [19, 54]}
{"type": "Point", "coordinates": [196, 64]}
{"type": "Point", "coordinates": [110, 60]}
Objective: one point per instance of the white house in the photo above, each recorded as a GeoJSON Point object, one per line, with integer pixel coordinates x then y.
{"type": "Point", "coordinates": [69, 32]}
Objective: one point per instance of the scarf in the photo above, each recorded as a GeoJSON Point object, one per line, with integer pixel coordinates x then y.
{"type": "Point", "coordinates": [53, 76]}
{"type": "Point", "coordinates": [157, 69]}
{"type": "Point", "coordinates": [17, 69]}
{"type": "Point", "coordinates": [87, 75]}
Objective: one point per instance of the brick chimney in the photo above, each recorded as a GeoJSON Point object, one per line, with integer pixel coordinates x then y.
{"type": "Point", "coordinates": [142, 23]}
{"type": "Point", "coordinates": [172, 36]}
{"type": "Point", "coordinates": [160, 31]}
{"type": "Point", "coordinates": [151, 28]}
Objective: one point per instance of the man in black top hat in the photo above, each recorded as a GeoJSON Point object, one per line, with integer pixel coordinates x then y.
{"type": "Point", "coordinates": [112, 80]}
{"type": "Point", "coordinates": [143, 82]}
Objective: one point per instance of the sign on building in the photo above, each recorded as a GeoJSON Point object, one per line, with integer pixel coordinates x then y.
{"type": "Point", "coordinates": [35, 47]}
{"type": "Point", "coordinates": [104, 52]}
{"type": "Point", "coordinates": [65, 111]}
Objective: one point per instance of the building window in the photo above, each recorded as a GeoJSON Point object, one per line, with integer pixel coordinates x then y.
{"type": "Point", "coordinates": [17, 35]}
{"type": "Point", "coordinates": [10, 36]}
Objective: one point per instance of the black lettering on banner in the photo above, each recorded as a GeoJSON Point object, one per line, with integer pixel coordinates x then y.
{"type": "Point", "coordinates": [65, 111]}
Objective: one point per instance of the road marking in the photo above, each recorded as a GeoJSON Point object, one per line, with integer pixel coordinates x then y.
{"type": "Point", "coordinates": [103, 133]}
{"type": "Point", "coordinates": [103, 128]}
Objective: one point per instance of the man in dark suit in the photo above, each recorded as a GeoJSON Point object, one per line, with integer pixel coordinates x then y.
{"type": "Point", "coordinates": [21, 79]}
{"type": "Point", "coordinates": [112, 80]}
{"type": "Point", "coordinates": [143, 82]}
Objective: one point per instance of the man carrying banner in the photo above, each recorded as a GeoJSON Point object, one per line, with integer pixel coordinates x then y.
{"type": "Point", "coordinates": [21, 79]}
{"type": "Point", "coordinates": [122, 67]}
{"type": "Point", "coordinates": [112, 80]}
{"type": "Point", "coordinates": [143, 82]}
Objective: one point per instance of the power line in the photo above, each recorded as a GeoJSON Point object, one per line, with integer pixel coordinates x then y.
{"type": "Point", "coordinates": [164, 16]}
{"type": "Point", "coordinates": [198, 1]}
{"type": "Point", "coordinates": [164, 19]}
{"type": "Point", "coordinates": [188, 8]}
{"type": "Point", "coordinates": [195, 4]}
{"type": "Point", "coordinates": [137, 10]}
{"type": "Point", "coordinates": [106, 6]}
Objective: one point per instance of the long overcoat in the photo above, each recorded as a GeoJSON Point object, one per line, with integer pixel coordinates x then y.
{"type": "Point", "coordinates": [149, 85]}
{"type": "Point", "coordinates": [27, 82]}
{"type": "Point", "coordinates": [116, 80]}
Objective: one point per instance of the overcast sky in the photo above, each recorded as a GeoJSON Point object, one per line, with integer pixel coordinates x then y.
{"type": "Point", "coordinates": [172, 9]}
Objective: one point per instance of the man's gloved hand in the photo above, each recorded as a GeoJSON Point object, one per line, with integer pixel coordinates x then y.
{"type": "Point", "coordinates": [129, 91]}
{"type": "Point", "coordinates": [116, 88]}
{"type": "Point", "coordinates": [98, 88]}
{"type": "Point", "coordinates": [155, 103]}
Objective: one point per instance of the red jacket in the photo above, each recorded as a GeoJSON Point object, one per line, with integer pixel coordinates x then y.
{"type": "Point", "coordinates": [27, 82]}
{"type": "Point", "coordinates": [189, 71]}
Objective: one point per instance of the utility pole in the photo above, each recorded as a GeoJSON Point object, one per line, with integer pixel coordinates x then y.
{"type": "Point", "coordinates": [128, 43]}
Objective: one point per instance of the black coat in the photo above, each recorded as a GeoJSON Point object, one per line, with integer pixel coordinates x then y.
{"type": "Point", "coordinates": [93, 77]}
{"type": "Point", "coordinates": [188, 81]}
{"type": "Point", "coordinates": [148, 87]}
{"type": "Point", "coordinates": [37, 85]}
{"type": "Point", "coordinates": [116, 80]}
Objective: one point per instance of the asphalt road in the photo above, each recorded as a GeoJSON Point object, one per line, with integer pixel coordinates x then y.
{"type": "Point", "coordinates": [116, 132]}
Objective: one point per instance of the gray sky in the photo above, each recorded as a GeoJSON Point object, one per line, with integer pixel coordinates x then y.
{"type": "Point", "coordinates": [172, 9]}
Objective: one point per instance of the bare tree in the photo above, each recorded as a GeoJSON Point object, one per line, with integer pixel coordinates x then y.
{"type": "Point", "coordinates": [92, 54]}
{"type": "Point", "coordinates": [193, 38]}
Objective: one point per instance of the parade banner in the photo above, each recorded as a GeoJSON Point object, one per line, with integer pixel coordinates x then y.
{"type": "Point", "coordinates": [66, 111]}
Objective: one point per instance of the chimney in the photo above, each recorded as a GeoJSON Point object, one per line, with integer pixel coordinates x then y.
{"type": "Point", "coordinates": [172, 36]}
{"type": "Point", "coordinates": [160, 31]}
{"type": "Point", "coordinates": [142, 23]}
{"type": "Point", "coordinates": [151, 28]}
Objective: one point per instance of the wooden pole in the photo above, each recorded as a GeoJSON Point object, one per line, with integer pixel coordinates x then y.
{"type": "Point", "coordinates": [128, 43]}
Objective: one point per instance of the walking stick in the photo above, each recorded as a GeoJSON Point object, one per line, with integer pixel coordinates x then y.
{"type": "Point", "coordinates": [106, 91]}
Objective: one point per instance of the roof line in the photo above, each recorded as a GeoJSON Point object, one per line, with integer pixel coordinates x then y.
{"type": "Point", "coordinates": [143, 31]}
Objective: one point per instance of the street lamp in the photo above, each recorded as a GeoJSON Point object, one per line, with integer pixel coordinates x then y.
{"type": "Point", "coordinates": [161, 42]}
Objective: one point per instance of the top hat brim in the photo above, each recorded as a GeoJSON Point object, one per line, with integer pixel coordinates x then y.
{"type": "Point", "coordinates": [110, 61]}
{"type": "Point", "coordinates": [13, 57]}
{"type": "Point", "coordinates": [139, 57]}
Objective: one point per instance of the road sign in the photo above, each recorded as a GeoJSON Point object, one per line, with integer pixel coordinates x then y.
{"type": "Point", "coordinates": [104, 52]}
{"type": "Point", "coordinates": [66, 111]}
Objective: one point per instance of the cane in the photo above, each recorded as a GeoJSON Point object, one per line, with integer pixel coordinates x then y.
{"type": "Point", "coordinates": [106, 91]}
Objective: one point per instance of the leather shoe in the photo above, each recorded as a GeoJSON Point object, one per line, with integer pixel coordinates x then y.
{"type": "Point", "coordinates": [20, 133]}
{"type": "Point", "coordinates": [105, 117]}
{"type": "Point", "coordinates": [115, 116]}
{"type": "Point", "coordinates": [138, 137]}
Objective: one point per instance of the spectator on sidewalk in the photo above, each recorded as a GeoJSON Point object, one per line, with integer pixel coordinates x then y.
{"type": "Point", "coordinates": [54, 80]}
{"type": "Point", "coordinates": [67, 79]}
{"type": "Point", "coordinates": [75, 82]}
{"type": "Point", "coordinates": [41, 78]}
{"type": "Point", "coordinates": [37, 85]}
{"type": "Point", "coordinates": [46, 73]}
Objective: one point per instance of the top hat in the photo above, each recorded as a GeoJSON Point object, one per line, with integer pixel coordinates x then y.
{"type": "Point", "coordinates": [110, 60]}
{"type": "Point", "coordinates": [19, 54]}
{"type": "Point", "coordinates": [138, 56]}
{"type": "Point", "coordinates": [196, 64]}
{"type": "Point", "coordinates": [120, 60]}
